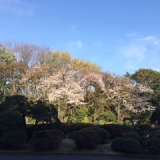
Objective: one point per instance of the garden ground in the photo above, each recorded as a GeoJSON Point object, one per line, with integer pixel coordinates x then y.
{"type": "Point", "coordinates": [67, 149]}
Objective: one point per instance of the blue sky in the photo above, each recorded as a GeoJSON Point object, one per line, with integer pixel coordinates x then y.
{"type": "Point", "coordinates": [119, 35]}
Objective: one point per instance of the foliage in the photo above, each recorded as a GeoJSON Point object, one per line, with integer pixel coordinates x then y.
{"type": "Point", "coordinates": [155, 133]}
{"type": "Point", "coordinates": [144, 131]}
{"type": "Point", "coordinates": [17, 103]}
{"type": "Point", "coordinates": [46, 140]}
{"type": "Point", "coordinates": [145, 127]}
{"type": "Point", "coordinates": [43, 112]}
{"type": "Point", "coordinates": [12, 133]}
{"type": "Point", "coordinates": [107, 117]}
{"type": "Point", "coordinates": [156, 115]}
{"type": "Point", "coordinates": [13, 139]}
{"type": "Point", "coordinates": [117, 130]}
{"type": "Point", "coordinates": [10, 121]}
{"type": "Point", "coordinates": [78, 88]}
{"type": "Point", "coordinates": [80, 116]}
{"type": "Point", "coordinates": [85, 139]}
{"type": "Point", "coordinates": [103, 134]}
{"type": "Point", "coordinates": [30, 130]}
{"type": "Point", "coordinates": [6, 56]}
{"type": "Point", "coordinates": [152, 145]}
{"type": "Point", "coordinates": [69, 128]}
{"type": "Point", "coordinates": [145, 117]}
{"type": "Point", "coordinates": [117, 144]}
{"type": "Point", "coordinates": [10, 69]}
{"type": "Point", "coordinates": [55, 125]}
{"type": "Point", "coordinates": [133, 135]}
{"type": "Point", "coordinates": [4, 88]}
{"type": "Point", "coordinates": [149, 78]}
{"type": "Point", "coordinates": [127, 145]}
{"type": "Point", "coordinates": [84, 65]}
{"type": "Point", "coordinates": [131, 145]}
{"type": "Point", "coordinates": [56, 132]}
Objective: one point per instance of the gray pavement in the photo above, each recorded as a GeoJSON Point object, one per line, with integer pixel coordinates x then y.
{"type": "Point", "coordinates": [50, 156]}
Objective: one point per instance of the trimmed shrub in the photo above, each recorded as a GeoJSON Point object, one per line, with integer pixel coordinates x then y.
{"type": "Point", "coordinates": [128, 145]}
{"type": "Point", "coordinates": [10, 121]}
{"type": "Point", "coordinates": [85, 139]}
{"type": "Point", "coordinates": [157, 136]}
{"type": "Point", "coordinates": [46, 140]}
{"type": "Point", "coordinates": [145, 127]}
{"type": "Point", "coordinates": [13, 139]}
{"type": "Point", "coordinates": [117, 144]}
{"type": "Point", "coordinates": [103, 134]}
{"type": "Point", "coordinates": [131, 145]}
{"type": "Point", "coordinates": [117, 130]}
{"type": "Point", "coordinates": [133, 135]}
{"type": "Point", "coordinates": [152, 145]}
{"type": "Point", "coordinates": [69, 128]}
{"type": "Point", "coordinates": [155, 133]}
{"type": "Point", "coordinates": [56, 125]}
{"type": "Point", "coordinates": [30, 131]}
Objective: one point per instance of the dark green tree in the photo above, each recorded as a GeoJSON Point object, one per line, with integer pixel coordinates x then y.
{"type": "Point", "coordinates": [11, 70]}
{"type": "Point", "coordinates": [12, 131]}
{"type": "Point", "coordinates": [43, 112]}
{"type": "Point", "coordinates": [151, 79]}
{"type": "Point", "coordinates": [4, 88]}
{"type": "Point", "coordinates": [17, 103]}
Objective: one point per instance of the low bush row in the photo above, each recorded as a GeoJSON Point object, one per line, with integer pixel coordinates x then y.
{"type": "Point", "coordinates": [12, 131]}
{"type": "Point", "coordinates": [46, 140]}
{"type": "Point", "coordinates": [89, 138]}
{"type": "Point", "coordinates": [128, 145]}
{"type": "Point", "coordinates": [13, 134]}
{"type": "Point", "coordinates": [131, 143]}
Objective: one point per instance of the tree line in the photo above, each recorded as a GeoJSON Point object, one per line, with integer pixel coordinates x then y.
{"type": "Point", "coordinates": [78, 89]}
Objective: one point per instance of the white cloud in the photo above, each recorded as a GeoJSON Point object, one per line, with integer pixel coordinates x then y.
{"type": "Point", "coordinates": [134, 51]}
{"type": "Point", "coordinates": [79, 44]}
{"type": "Point", "coordinates": [73, 27]}
{"type": "Point", "coordinates": [16, 7]}
{"type": "Point", "coordinates": [141, 52]}
{"type": "Point", "coordinates": [153, 40]}
{"type": "Point", "coordinates": [75, 45]}
{"type": "Point", "coordinates": [98, 44]}
{"type": "Point", "coordinates": [132, 34]}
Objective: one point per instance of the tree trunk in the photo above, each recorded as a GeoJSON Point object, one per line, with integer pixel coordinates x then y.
{"type": "Point", "coordinates": [13, 91]}
{"type": "Point", "coordinates": [118, 112]}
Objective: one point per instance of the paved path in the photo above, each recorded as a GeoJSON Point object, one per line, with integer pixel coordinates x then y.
{"type": "Point", "coordinates": [45, 156]}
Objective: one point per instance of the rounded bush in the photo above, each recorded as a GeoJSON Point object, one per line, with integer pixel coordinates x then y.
{"type": "Point", "coordinates": [117, 130]}
{"type": "Point", "coordinates": [131, 145]}
{"type": "Point", "coordinates": [85, 139]}
{"type": "Point", "coordinates": [69, 128]}
{"type": "Point", "coordinates": [133, 135]}
{"type": "Point", "coordinates": [117, 144]}
{"type": "Point", "coordinates": [155, 133]}
{"type": "Point", "coordinates": [55, 132]}
{"type": "Point", "coordinates": [152, 145]}
{"type": "Point", "coordinates": [13, 139]}
{"type": "Point", "coordinates": [46, 140]}
{"type": "Point", "coordinates": [30, 131]}
{"type": "Point", "coordinates": [157, 136]}
{"type": "Point", "coordinates": [144, 135]}
{"type": "Point", "coordinates": [103, 134]}
{"type": "Point", "coordinates": [145, 127]}
{"type": "Point", "coordinates": [10, 121]}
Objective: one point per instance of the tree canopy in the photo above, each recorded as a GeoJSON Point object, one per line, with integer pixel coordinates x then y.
{"type": "Point", "coordinates": [76, 87]}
